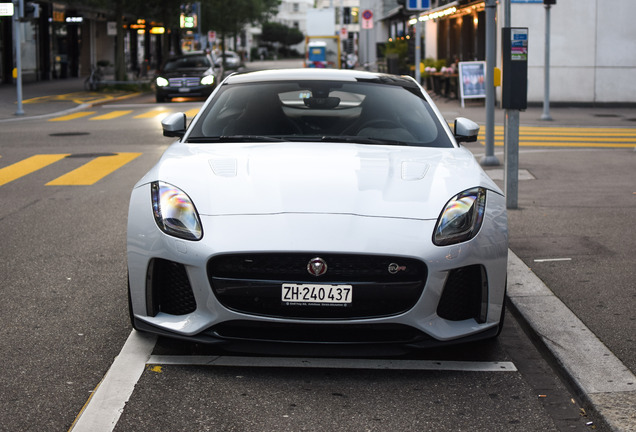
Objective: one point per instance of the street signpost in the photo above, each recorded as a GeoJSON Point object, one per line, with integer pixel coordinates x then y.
{"type": "Point", "coordinates": [18, 14]}
{"type": "Point", "coordinates": [367, 24]}
{"type": "Point", "coordinates": [418, 5]}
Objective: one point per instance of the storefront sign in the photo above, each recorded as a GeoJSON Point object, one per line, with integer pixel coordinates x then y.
{"type": "Point", "coordinates": [472, 80]}
{"type": "Point", "coordinates": [6, 9]}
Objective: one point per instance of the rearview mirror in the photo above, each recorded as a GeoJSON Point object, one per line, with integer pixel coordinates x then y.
{"type": "Point", "coordinates": [174, 125]}
{"type": "Point", "coordinates": [465, 130]}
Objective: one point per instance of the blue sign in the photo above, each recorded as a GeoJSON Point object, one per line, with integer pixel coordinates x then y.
{"type": "Point", "coordinates": [418, 4]}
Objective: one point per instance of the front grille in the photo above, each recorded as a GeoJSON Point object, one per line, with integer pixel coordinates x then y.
{"type": "Point", "coordinates": [323, 333]}
{"type": "Point", "coordinates": [465, 295]}
{"type": "Point", "coordinates": [169, 289]}
{"type": "Point", "coordinates": [252, 283]}
{"type": "Point", "coordinates": [184, 82]}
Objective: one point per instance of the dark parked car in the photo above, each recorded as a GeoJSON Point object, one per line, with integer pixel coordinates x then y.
{"type": "Point", "coordinates": [188, 75]}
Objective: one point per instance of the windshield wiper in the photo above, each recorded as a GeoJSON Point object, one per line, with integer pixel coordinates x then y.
{"type": "Point", "coordinates": [235, 138]}
{"type": "Point", "coordinates": [360, 140]}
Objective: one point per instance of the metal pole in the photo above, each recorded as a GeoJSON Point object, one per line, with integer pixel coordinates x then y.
{"type": "Point", "coordinates": [511, 142]}
{"type": "Point", "coordinates": [491, 52]}
{"type": "Point", "coordinates": [511, 159]}
{"type": "Point", "coordinates": [418, 48]}
{"type": "Point", "coordinates": [18, 12]}
{"type": "Point", "coordinates": [546, 91]}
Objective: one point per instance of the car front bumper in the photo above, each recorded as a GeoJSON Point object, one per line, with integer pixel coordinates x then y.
{"type": "Point", "coordinates": [173, 290]}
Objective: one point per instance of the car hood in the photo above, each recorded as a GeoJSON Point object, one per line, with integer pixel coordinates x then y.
{"type": "Point", "coordinates": [332, 178]}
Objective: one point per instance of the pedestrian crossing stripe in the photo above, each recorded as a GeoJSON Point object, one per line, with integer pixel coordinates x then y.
{"type": "Point", "coordinates": [27, 166]}
{"type": "Point", "coordinates": [152, 114]}
{"type": "Point", "coordinates": [111, 115]}
{"type": "Point", "coordinates": [85, 175]}
{"type": "Point", "coordinates": [73, 116]}
{"type": "Point", "coordinates": [93, 171]}
{"type": "Point", "coordinates": [155, 113]}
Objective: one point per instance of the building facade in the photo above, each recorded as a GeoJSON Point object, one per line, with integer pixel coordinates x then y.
{"type": "Point", "coordinates": [592, 46]}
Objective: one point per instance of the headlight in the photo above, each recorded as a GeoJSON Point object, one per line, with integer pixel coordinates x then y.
{"type": "Point", "coordinates": [207, 80]}
{"type": "Point", "coordinates": [162, 82]}
{"type": "Point", "coordinates": [461, 219]}
{"type": "Point", "coordinates": [174, 212]}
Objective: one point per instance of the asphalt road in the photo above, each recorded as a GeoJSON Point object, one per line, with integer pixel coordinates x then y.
{"type": "Point", "coordinates": [64, 321]}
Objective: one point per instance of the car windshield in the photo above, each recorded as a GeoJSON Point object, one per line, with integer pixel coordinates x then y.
{"type": "Point", "coordinates": [347, 111]}
{"type": "Point", "coordinates": [188, 62]}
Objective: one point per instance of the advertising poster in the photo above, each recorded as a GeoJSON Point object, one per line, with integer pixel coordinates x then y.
{"type": "Point", "coordinates": [472, 82]}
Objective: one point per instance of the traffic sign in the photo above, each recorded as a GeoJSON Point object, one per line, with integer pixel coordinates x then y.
{"type": "Point", "coordinates": [367, 19]}
{"type": "Point", "coordinates": [418, 4]}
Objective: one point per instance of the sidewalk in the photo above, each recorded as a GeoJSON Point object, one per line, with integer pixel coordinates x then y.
{"type": "Point", "coordinates": [46, 98]}
{"type": "Point", "coordinates": [579, 203]}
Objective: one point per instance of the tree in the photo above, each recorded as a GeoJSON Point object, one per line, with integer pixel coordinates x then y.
{"type": "Point", "coordinates": [229, 17]}
{"type": "Point", "coordinates": [282, 34]}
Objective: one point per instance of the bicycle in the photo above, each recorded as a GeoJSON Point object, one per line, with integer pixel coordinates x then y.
{"type": "Point", "coordinates": [93, 81]}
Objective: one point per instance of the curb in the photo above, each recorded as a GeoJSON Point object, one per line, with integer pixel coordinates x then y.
{"type": "Point", "coordinates": [72, 110]}
{"type": "Point", "coordinates": [599, 377]}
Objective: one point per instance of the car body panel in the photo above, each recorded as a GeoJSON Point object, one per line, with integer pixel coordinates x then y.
{"type": "Point", "coordinates": [315, 199]}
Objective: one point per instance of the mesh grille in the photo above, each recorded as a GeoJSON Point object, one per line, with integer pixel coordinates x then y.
{"type": "Point", "coordinates": [463, 293]}
{"type": "Point", "coordinates": [345, 267]}
{"type": "Point", "coordinates": [171, 288]}
{"type": "Point", "coordinates": [381, 285]}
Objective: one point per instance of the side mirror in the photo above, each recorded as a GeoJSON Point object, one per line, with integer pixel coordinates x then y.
{"type": "Point", "coordinates": [174, 125]}
{"type": "Point", "coordinates": [465, 130]}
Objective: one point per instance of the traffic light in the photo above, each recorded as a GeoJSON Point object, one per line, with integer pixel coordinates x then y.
{"type": "Point", "coordinates": [31, 11]}
{"type": "Point", "coordinates": [188, 18]}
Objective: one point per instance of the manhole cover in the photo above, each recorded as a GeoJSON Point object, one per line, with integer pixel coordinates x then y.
{"type": "Point", "coordinates": [65, 134]}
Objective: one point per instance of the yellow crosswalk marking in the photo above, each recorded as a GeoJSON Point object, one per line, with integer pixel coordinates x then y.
{"type": "Point", "coordinates": [93, 171]}
{"type": "Point", "coordinates": [111, 115]}
{"type": "Point", "coordinates": [151, 114]}
{"type": "Point", "coordinates": [192, 113]}
{"type": "Point", "coordinates": [73, 116]}
{"type": "Point", "coordinates": [27, 166]}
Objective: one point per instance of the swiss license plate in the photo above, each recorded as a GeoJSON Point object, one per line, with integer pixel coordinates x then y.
{"type": "Point", "coordinates": [307, 294]}
{"type": "Point", "coordinates": [184, 90]}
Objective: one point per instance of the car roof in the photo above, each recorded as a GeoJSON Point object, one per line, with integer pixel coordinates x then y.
{"type": "Point", "coordinates": [319, 75]}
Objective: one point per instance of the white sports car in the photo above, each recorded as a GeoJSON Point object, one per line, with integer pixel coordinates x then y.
{"type": "Point", "coordinates": [318, 206]}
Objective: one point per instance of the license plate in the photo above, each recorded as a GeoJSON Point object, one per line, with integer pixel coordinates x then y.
{"type": "Point", "coordinates": [184, 90]}
{"type": "Point", "coordinates": [307, 294]}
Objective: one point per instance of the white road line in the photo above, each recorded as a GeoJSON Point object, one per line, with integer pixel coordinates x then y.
{"type": "Point", "coordinates": [332, 363]}
{"type": "Point", "coordinates": [543, 260]}
{"type": "Point", "coordinates": [102, 411]}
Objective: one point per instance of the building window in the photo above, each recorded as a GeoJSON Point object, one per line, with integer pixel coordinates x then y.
{"type": "Point", "coordinates": [295, 7]}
